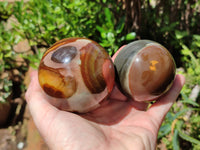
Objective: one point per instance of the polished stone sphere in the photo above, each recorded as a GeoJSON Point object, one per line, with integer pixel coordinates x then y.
{"type": "Point", "coordinates": [77, 73]}
{"type": "Point", "coordinates": [145, 70]}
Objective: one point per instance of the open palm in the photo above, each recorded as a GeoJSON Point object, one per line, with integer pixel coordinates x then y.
{"type": "Point", "coordinates": [119, 124]}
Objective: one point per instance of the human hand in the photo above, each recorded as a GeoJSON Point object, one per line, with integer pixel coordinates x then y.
{"type": "Point", "coordinates": [120, 123]}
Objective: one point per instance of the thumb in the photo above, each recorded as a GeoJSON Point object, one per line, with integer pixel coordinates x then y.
{"type": "Point", "coordinates": [159, 109]}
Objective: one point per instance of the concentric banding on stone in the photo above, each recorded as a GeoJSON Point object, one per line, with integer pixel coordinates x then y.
{"type": "Point", "coordinates": [92, 59]}
{"type": "Point", "coordinates": [146, 70]}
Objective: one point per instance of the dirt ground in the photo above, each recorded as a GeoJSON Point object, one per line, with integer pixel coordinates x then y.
{"type": "Point", "coordinates": [21, 136]}
{"type": "Point", "coordinates": [20, 132]}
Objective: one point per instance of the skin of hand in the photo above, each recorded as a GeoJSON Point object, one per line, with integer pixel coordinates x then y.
{"type": "Point", "coordinates": [120, 123]}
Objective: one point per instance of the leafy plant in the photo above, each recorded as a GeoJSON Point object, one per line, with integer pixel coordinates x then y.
{"type": "Point", "coordinates": [111, 36]}
{"type": "Point", "coordinates": [33, 60]}
{"type": "Point", "coordinates": [6, 62]}
{"type": "Point", "coordinates": [5, 88]}
{"type": "Point", "coordinates": [8, 57]}
{"type": "Point", "coordinates": [5, 10]}
{"type": "Point", "coordinates": [190, 57]}
{"type": "Point", "coordinates": [182, 122]}
{"type": "Point", "coordinates": [45, 22]}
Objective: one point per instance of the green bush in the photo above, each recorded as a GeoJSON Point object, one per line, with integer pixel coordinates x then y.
{"type": "Point", "coordinates": [7, 59]}
{"type": "Point", "coordinates": [111, 33]}
{"type": "Point", "coordinates": [45, 22]}
{"type": "Point", "coordinates": [5, 11]}
{"type": "Point", "coordinates": [8, 62]}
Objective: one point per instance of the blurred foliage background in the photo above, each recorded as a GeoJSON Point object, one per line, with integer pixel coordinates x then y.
{"type": "Point", "coordinates": [112, 23]}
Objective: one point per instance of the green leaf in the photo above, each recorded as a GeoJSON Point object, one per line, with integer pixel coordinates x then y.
{"type": "Point", "coordinates": [197, 43]}
{"type": "Point", "coordinates": [175, 141]}
{"type": "Point", "coordinates": [17, 39]}
{"type": "Point", "coordinates": [195, 119]}
{"type": "Point", "coordinates": [9, 54]}
{"type": "Point", "coordinates": [1, 56]}
{"type": "Point", "coordinates": [121, 25]}
{"type": "Point", "coordinates": [185, 136]}
{"type": "Point", "coordinates": [111, 36]}
{"type": "Point", "coordinates": [102, 32]}
{"type": "Point", "coordinates": [181, 112]}
{"type": "Point", "coordinates": [164, 130]}
{"type": "Point", "coordinates": [197, 37]}
{"type": "Point", "coordinates": [108, 15]}
{"type": "Point", "coordinates": [188, 101]}
{"type": "Point", "coordinates": [189, 138]}
{"type": "Point", "coordinates": [185, 51]}
{"type": "Point", "coordinates": [131, 36]}
{"type": "Point", "coordinates": [33, 43]}
{"type": "Point", "coordinates": [180, 34]}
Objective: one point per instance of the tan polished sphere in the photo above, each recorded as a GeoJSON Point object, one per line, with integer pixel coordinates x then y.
{"type": "Point", "coordinates": [146, 70]}
{"type": "Point", "coordinates": [78, 73]}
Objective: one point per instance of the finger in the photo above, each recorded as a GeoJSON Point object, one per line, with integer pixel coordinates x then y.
{"type": "Point", "coordinates": [159, 109]}
{"type": "Point", "coordinates": [34, 90]}
{"type": "Point", "coordinates": [39, 107]}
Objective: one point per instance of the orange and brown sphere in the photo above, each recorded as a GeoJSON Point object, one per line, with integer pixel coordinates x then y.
{"type": "Point", "coordinates": [77, 72]}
